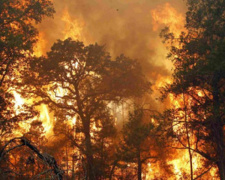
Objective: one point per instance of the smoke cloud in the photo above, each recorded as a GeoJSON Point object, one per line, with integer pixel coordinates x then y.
{"type": "Point", "coordinates": [130, 27]}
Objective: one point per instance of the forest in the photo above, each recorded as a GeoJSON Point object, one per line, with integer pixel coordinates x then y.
{"type": "Point", "coordinates": [112, 90]}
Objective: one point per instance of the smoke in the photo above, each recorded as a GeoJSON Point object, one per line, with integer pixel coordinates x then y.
{"type": "Point", "coordinates": [130, 27]}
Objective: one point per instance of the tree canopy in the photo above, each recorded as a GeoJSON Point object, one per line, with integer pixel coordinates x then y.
{"type": "Point", "coordinates": [81, 81]}
{"type": "Point", "coordinates": [18, 32]}
{"type": "Point", "coordinates": [18, 36]}
{"type": "Point", "coordinates": [198, 57]}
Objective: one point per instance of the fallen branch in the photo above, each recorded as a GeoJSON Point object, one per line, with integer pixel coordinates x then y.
{"type": "Point", "coordinates": [22, 141]}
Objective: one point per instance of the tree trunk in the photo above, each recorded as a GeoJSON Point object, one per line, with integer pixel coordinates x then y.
{"type": "Point", "coordinates": [139, 165]}
{"type": "Point", "coordinates": [220, 165]}
{"type": "Point", "coordinates": [112, 170]}
{"type": "Point", "coordinates": [89, 154]}
{"type": "Point", "coordinates": [188, 138]}
{"type": "Point", "coordinates": [73, 167]}
{"type": "Point", "coordinates": [67, 161]}
{"type": "Point", "coordinates": [90, 172]}
{"type": "Point", "coordinates": [217, 127]}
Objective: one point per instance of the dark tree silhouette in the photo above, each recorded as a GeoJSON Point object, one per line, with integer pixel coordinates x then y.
{"type": "Point", "coordinates": [22, 141]}
{"type": "Point", "coordinates": [198, 58]}
{"type": "Point", "coordinates": [88, 80]}
{"type": "Point", "coordinates": [139, 139]}
{"type": "Point", "coordinates": [18, 33]}
{"type": "Point", "coordinates": [17, 38]}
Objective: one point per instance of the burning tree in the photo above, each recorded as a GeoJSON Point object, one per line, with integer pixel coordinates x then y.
{"type": "Point", "coordinates": [18, 33]}
{"type": "Point", "coordinates": [81, 81]}
{"type": "Point", "coordinates": [198, 58]}
{"type": "Point", "coordinates": [136, 145]}
{"type": "Point", "coordinates": [17, 38]}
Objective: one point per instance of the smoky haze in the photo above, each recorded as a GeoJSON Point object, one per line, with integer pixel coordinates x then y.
{"type": "Point", "coordinates": [130, 27]}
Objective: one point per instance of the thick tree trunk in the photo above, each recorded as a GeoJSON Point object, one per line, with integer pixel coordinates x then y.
{"type": "Point", "coordinates": [90, 170]}
{"type": "Point", "coordinates": [217, 127]}
{"type": "Point", "coordinates": [220, 149]}
{"type": "Point", "coordinates": [221, 170]}
{"type": "Point", "coordinates": [90, 161]}
{"type": "Point", "coordinates": [91, 174]}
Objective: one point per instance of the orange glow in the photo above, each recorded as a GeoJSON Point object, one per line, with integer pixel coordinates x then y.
{"type": "Point", "coordinates": [45, 116]}
{"type": "Point", "coordinates": [19, 101]}
{"type": "Point", "coordinates": [41, 45]}
{"type": "Point", "coordinates": [46, 119]}
{"type": "Point", "coordinates": [166, 15]}
{"type": "Point", "coordinates": [179, 128]}
{"type": "Point", "coordinates": [73, 27]}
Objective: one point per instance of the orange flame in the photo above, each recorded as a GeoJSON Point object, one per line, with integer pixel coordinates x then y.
{"type": "Point", "coordinates": [41, 45]}
{"type": "Point", "coordinates": [46, 119]}
{"type": "Point", "coordinates": [166, 15]}
{"type": "Point", "coordinates": [73, 27]}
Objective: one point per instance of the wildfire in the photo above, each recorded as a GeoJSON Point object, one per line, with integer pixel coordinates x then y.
{"type": "Point", "coordinates": [46, 119]}
{"type": "Point", "coordinates": [41, 45]}
{"type": "Point", "coordinates": [73, 27]}
{"type": "Point", "coordinates": [45, 116]}
{"type": "Point", "coordinates": [19, 101]}
{"type": "Point", "coordinates": [166, 15]}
